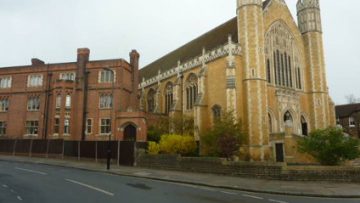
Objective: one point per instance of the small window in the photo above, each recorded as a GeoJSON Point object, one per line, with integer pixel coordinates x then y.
{"type": "Point", "coordinates": [352, 122]}
{"type": "Point", "coordinates": [56, 125]}
{"type": "Point", "coordinates": [33, 103]}
{"type": "Point", "coordinates": [32, 127]}
{"type": "Point", "coordinates": [5, 82]}
{"type": "Point", "coordinates": [2, 128]}
{"type": "Point", "coordinates": [106, 76]}
{"type": "Point", "coordinates": [67, 126]}
{"type": "Point", "coordinates": [216, 113]}
{"type": "Point", "coordinates": [35, 80]}
{"type": "Point", "coordinates": [68, 102]}
{"type": "Point", "coordinates": [68, 76]}
{"type": "Point", "coordinates": [89, 126]}
{"type": "Point", "coordinates": [58, 101]}
{"type": "Point", "coordinates": [105, 126]}
{"type": "Point", "coordinates": [4, 105]}
{"type": "Point", "coordinates": [106, 101]}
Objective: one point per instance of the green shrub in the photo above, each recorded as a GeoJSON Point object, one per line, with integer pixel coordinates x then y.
{"type": "Point", "coordinates": [330, 146]}
{"type": "Point", "coordinates": [177, 144]}
{"type": "Point", "coordinates": [224, 138]}
{"type": "Point", "coordinates": [153, 148]}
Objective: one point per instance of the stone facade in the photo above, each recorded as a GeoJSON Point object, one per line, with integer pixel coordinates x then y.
{"type": "Point", "coordinates": [261, 66]}
{"type": "Point", "coordinates": [72, 101]}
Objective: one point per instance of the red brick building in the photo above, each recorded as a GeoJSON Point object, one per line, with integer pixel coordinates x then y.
{"type": "Point", "coordinates": [72, 101]}
{"type": "Point", "coordinates": [348, 117]}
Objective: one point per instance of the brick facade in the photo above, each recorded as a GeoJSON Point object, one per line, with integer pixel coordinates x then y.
{"type": "Point", "coordinates": [51, 101]}
{"type": "Point", "coordinates": [348, 117]}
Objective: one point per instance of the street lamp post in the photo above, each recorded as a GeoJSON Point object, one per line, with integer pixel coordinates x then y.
{"type": "Point", "coordinates": [111, 118]}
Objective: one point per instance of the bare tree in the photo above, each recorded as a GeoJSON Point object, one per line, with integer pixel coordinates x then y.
{"type": "Point", "coordinates": [351, 99]}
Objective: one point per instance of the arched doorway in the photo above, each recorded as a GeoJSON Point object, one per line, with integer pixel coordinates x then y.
{"type": "Point", "coordinates": [304, 126]}
{"type": "Point", "coordinates": [130, 133]}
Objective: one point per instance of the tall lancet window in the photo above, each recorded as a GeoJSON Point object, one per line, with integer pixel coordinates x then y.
{"type": "Point", "coordinates": [169, 98]}
{"type": "Point", "coordinates": [191, 91]}
{"type": "Point", "coordinates": [151, 100]}
{"type": "Point", "coordinates": [282, 57]}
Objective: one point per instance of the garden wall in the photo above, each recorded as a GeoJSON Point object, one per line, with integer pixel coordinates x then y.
{"type": "Point", "coordinates": [271, 171]}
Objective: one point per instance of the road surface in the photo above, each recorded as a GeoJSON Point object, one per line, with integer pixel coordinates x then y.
{"type": "Point", "coordinates": [33, 183]}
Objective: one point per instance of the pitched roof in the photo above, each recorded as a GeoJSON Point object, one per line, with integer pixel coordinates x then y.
{"type": "Point", "coordinates": [343, 111]}
{"type": "Point", "coordinates": [209, 40]}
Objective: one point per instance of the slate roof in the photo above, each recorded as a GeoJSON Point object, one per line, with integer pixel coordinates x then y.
{"type": "Point", "coordinates": [343, 111]}
{"type": "Point", "coordinates": [209, 40]}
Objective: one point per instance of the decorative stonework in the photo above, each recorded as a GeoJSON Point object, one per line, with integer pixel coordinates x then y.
{"type": "Point", "coordinates": [196, 62]}
{"type": "Point", "coordinates": [241, 3]}
{"type": "Point", "coordinates": [309, 16]}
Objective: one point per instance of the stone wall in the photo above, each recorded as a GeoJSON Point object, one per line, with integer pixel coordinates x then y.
{"type": "Point", "coordinates": [270, 171]}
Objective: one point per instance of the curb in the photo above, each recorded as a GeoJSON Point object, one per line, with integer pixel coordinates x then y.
{"type": "Point", "coordinates": [300, 194]}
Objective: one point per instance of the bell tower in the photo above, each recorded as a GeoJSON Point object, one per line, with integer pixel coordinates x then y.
{"type": "Point", "coordinates": [254, 92]}
{"type": "Point", "coordinates": [309, 22]}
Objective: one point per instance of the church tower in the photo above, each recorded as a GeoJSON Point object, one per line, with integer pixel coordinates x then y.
{"type": "Point", "coordinates": [309, 22]}
{"type": "Point", "coordinates": [254, 92]}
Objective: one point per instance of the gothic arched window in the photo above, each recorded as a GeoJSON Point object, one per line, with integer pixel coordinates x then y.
{"type": "Point", "coordinates": [288, 117]}
{"type": "Point", "coordinates": [191, 91]}
{"type": "Point", "coordinates": [283, 54]}
{"type": "Point", "coordinates": [216, 109]}
{"type": "Point", "coordinates": [151, 100]}
{"type": "Point", "coordinates": [168, 97]}
{"type": "Point", "coordinates": [304, 126]}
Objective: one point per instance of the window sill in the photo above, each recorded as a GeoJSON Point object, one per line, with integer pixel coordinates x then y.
{"type": "Point", "coordinates": [33, 110]}
{"type": "Point", "coordinates": [104, 134]}
{"type": "Point", "coordinates": [31, 135]}
{"type": "Point", "coordinates": [66, 135]}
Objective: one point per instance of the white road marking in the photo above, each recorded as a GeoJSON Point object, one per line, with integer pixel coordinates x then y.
{"type": "Point", "coordinates": [90, 187]}
{"type": "Point", "coordinates": [5, 186]}
{"type": "Point", "coordinates": [277, 201]}
{"type": "Point", "coordinates": [19, 198]}
{"type": "Point", "coordinates": [13, 191]}
{"type": "Point", "coordinates": [251, 196]}
{"type": "Point", "coordinates": [228, 193]}
{"type": "Point", "coordinates": [31, 171]}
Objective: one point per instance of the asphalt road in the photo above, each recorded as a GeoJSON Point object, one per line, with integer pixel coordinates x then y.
{"type": "Point", "coordinates": [39, 183]}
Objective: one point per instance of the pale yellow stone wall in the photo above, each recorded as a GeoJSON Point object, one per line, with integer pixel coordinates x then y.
{"type": "Point", "coordinates": [255, 98]}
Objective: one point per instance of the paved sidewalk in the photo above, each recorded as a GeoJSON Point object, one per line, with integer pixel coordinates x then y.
{"type": "Point", "coordinates": [314, 189]}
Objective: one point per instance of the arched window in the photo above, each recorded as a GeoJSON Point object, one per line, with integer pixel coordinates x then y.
{"type": "Point", "coordinates": [191, 91]}
{"type": "Point", "coordinates": [216, 109]}
{"type": "Point", "coordinates": [304, 126]}
{"type": "Point", "coordinates": [151, 100]}
{"type": "Point", "coordinates": [168, 97]}
{"type": "Point", "coordinates": [288, 117]}
{"type": "Point", "coordinates": [283, 53]}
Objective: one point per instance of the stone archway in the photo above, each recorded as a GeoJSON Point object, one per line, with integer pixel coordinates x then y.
{"type": "Point", "coordinates": [130, 133]}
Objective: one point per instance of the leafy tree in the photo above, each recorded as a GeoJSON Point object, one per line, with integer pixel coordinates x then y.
{"type": "Point", "coordinates": [330, 146]}
{"type": "Point", "coordinates": [182, 125]}
{"type": "Point", "coordinates": [155, 131]}
{"type": "Point", "coordinates": [224, 138]}
{"type": "Point", "coordinates": [351, 99]}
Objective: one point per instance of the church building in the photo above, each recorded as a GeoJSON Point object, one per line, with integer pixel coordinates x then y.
{"type": "Point", "coordinates": [262, 66]}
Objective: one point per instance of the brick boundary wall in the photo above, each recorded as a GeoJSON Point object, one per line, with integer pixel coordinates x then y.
{"type": "Point", "coordinates": [269, 171]}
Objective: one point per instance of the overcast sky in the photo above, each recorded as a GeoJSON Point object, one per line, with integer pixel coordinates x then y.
{"type": "Point", "coordinates": [52, 30]}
